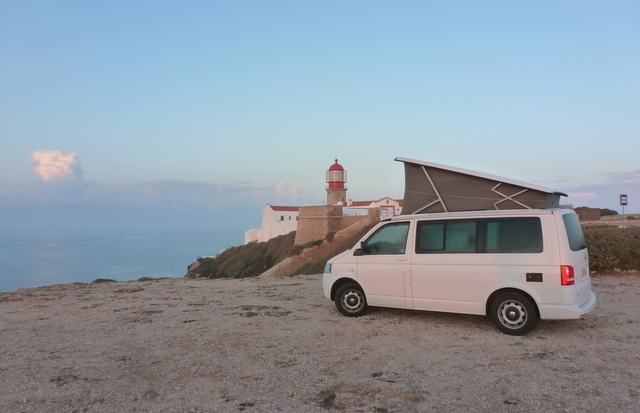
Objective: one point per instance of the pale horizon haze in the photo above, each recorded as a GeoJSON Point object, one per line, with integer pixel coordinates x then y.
{"type": "Point", "coordinates": [200, 113]}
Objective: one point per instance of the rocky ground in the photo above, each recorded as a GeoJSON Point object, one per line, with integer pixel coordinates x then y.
{"type": "Point", "coordinates": [277, 345]}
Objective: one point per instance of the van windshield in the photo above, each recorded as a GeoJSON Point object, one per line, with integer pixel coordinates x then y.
{"type": "Point", "coordinates": [574, 232]}
{"type": "Point", "coordinates": [389, 239]}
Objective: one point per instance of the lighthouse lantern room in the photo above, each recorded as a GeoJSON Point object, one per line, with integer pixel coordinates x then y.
{"type": "Point", "coordinates": [336, 189]}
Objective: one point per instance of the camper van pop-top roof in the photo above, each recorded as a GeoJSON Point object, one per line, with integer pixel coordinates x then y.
{"type": "Point", "coordinates": [430, 187]}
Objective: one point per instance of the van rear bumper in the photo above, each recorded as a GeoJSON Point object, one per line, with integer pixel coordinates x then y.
{"type": "Point", "coordinates": [567, 312]}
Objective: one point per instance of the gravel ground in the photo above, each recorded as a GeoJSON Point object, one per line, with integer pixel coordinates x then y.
{"type": "Point", "coordinates": [277, 345]}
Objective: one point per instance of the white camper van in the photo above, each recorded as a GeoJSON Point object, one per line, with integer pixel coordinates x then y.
{"type": "Point", "coordinates": [517, 266]}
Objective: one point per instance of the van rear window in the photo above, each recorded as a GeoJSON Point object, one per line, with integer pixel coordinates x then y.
{"type": "Point", "coordinates": [574, 232]}
{"type": "Point", "coordinates": [489, 235]}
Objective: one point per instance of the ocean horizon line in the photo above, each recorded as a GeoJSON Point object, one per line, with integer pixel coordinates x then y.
{"type": "Point", "coordinates": [39, 258]}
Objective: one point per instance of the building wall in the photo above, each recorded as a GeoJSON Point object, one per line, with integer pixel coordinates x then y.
{"type": "Point", "coordinates": [335, 195]}
{"type": "Point", "coordinates": [589, 214]}
{"type": "Point", "coordinates": [317, 221]}
{"type": "Point", "coordinates": [388, 207]}
{"type": "Point", "coordinates": [274, 223]}
{"type": "Point", "coordinates": [251, 235]}
{"type": "Point", "coordinates": [373, 216]}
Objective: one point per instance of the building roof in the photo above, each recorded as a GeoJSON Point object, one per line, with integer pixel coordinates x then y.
{"type": "Point", "coordinates": [359, 203]}
{"type": "Point", "coordinates": [284, 208]}
{"type": "Point", "coordinates": [336, 167]}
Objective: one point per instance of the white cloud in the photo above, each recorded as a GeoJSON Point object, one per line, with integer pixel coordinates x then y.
{"type": "Point", "coordinates": [56, 165]}
{"type": "Point", "coordinates": [289, 191]}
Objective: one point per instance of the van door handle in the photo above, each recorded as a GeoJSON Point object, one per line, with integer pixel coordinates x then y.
{"type": "Point", "coordinates": [401, 259]}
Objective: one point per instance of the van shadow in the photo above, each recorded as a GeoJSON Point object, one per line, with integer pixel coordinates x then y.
{"type": "Point", "coordinates": [475, 323]}
{"type": "Point", "coordinates": [433, 318]}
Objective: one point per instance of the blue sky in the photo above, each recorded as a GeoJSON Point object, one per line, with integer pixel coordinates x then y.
{"type": "Point", "coordinates": [195, 108]}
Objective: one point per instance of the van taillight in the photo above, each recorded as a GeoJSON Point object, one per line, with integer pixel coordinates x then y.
{"type": "Point", "coordinates": [566, 275]}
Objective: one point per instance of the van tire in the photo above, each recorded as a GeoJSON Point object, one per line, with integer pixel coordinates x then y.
{"type": "Point", "coordinates": [514, 313]}
{"type": "Point", "coordinates": [350, 300]}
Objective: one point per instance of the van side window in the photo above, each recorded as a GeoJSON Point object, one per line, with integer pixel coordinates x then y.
{"type": "Point", "coordinates": [449, 236]}
{"type": "Point", "coordinates": [574, 232]}
{"type": "Point", "coordinates": [504, 235]}
{"type": "Point", "coordinates": [513, 235]}
{"type": "Point", "coordinates": [389, 239]}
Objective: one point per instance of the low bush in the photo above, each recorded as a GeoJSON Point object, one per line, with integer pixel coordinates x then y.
{"type": "Point", "coordinates": [613, 248]}
{"type": "Point", "coordinates": [102, 280]}
{"type": "Point", "coordinates": [247, 260]}
{"type": "Point", "coordinates": [603, 211]}
{"type": "Point", "coordinates": [149, 279]}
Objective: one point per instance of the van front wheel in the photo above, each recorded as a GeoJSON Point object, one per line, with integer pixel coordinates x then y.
{"type": "Point", "coordinates": [514, 313]}
{"type": "Point", "coordinates": [350, 300]}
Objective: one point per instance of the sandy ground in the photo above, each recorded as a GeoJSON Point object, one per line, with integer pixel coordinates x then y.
{"type": "Point", "coordinates": [277, 345]}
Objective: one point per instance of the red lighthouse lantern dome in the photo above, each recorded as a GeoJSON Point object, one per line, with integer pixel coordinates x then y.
{"type": "Point", "coordinates": [336, 176]}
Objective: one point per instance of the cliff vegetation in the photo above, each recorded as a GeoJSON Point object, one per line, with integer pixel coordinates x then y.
{"type": "Point", "coordinates": [611, 248]}
{"type": "Point", "coordinates": [248, 260]}
{"type": "Point", "coordinates": [279, 256]}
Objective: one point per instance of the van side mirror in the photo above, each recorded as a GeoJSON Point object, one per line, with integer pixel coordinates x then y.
{"type": "Point", "coordinates": [361, 250]}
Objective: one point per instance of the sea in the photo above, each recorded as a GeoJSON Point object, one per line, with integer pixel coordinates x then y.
{"type": "Point", "coordinates": [33, 258]}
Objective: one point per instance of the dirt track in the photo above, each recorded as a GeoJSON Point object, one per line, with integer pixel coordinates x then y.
{"type": "Point", "coordinates": [276, 344]}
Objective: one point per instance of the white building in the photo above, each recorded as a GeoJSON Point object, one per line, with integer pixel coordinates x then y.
{"type": "Point", "coordinates": [276, 220]}
{"type": "Point", "coordinates": [388, 207]}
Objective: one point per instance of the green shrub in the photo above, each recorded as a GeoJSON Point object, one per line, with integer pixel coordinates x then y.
{"type": "Point", "coordinates": [603, 211]}
{"type": "Point", "coordinates": [102, 280]}
{"type": "Point", "coordinates": [612, 248]}
{"type": "Point", "coordinates": [247, 260]}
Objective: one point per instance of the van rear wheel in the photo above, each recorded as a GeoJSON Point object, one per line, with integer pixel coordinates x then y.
{"type": "Point", "coordinates": [350, 300]}
{"type": "Point", "coordinates": [514, 313]}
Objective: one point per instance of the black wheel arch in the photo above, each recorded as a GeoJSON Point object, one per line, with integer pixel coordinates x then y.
{"type": "Point", "coordinates": [339, 283]}
{"type": "Point", "coordinates": [495, 294]}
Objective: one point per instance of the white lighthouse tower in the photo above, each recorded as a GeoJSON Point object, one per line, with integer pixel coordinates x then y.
{"type": "Point", "coordinates": [336, 189]}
